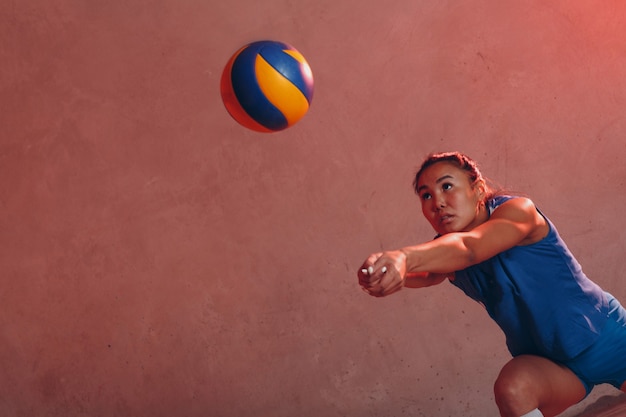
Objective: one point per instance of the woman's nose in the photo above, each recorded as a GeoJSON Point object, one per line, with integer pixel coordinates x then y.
{"type": "Point", "coordinates": [440, 202]}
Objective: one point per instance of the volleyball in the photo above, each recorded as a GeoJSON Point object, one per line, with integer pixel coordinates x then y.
{"type": "Point", "coordinates": [267, 86]}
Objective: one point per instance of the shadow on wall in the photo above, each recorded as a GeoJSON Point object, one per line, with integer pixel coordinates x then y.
{"type": "Point", "coordinates": [606, 406]}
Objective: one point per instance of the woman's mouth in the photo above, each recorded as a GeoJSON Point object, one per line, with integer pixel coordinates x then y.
{"type": "Point", "coordinates": [445, 219]}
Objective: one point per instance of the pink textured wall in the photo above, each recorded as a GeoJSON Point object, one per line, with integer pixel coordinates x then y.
{"type": "Point", "coordinates": [160, 260]}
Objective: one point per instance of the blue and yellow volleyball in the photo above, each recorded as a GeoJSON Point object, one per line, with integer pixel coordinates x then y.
{"type": "Point", "coordinates": [267, 86]}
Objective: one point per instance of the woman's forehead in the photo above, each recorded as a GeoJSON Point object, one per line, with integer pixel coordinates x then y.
{"type": "Point", "coordinates": [440, 171]}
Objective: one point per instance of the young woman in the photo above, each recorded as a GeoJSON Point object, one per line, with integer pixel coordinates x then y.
{"type": "Point", "coordinates": [565, 333]}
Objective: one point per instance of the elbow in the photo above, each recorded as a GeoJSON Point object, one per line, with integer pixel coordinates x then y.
{"type": "Point", "coordinates": [470, 257]}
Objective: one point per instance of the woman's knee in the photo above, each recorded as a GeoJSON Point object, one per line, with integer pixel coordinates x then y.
{"type": "Point", "coordinates": [515, 390]}
{"type": "Point", "coordinates": [529, 382]}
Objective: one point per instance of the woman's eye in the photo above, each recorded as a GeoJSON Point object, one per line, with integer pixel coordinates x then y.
{"type": "Point", "coordinates": [426, 196]}
{"type": "Point", "coordinates": [446, 186]}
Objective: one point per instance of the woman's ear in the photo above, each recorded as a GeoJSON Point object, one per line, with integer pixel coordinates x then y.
{"type": "Point", "coordinates": [481, 189]}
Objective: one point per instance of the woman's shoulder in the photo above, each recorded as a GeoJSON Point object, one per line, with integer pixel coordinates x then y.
{"type": "Point", "coordinates": [498, 200]}
{"type": "Point", "coordinates": [522, 210]}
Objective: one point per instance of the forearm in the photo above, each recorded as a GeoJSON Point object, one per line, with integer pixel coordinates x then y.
{"type": "Point", "coordinates": [424, 279]}
{"type": "Point", "coordinates": [446, 254]}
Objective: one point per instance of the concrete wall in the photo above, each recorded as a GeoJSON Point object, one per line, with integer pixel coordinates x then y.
{"type": "Point", "coordinates": [160, 260]}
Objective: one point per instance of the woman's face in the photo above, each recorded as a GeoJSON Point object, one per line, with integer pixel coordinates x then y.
{"type": "Point", "coordinates": [449, 201]}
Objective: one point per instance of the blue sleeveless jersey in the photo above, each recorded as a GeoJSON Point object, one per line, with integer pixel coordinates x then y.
{"type": "Point", "coordinates": [539, 296]}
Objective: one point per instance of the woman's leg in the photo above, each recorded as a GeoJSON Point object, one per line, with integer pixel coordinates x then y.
{"type": "Point", "coordinates": [528, 382]}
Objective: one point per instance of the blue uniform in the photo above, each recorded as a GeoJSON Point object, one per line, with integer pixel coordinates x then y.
{"type": "Point", "coordinates": [543, 301]}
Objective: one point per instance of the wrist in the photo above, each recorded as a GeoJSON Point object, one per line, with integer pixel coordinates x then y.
{"type": "Point", "coordinates": [408, 259]}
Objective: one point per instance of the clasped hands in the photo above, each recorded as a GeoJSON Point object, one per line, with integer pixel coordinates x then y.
{"type": "Point", "coordinates": [383, 273]}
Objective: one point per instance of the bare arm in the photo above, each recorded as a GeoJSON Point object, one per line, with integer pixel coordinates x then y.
{"type": "Point", "coordinates": [392, 276]}
{"type": "Point", "coordinates": [515, 222]}
{"type": "Point", "coordinates": [423, 279]}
